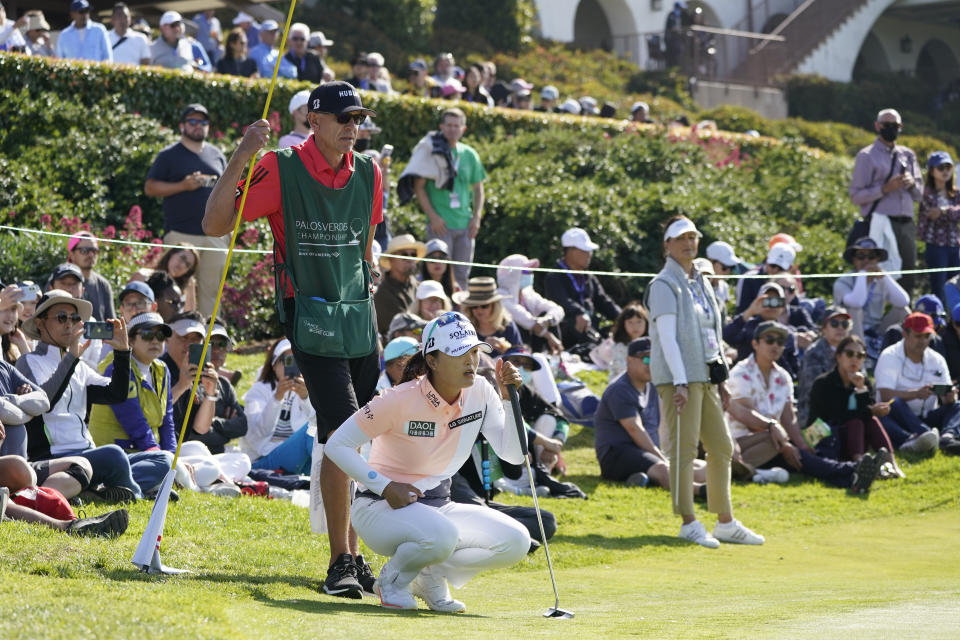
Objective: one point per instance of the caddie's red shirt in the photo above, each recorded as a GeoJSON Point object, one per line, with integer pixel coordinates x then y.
{"type": "Point", "coordinates": [265, 199]}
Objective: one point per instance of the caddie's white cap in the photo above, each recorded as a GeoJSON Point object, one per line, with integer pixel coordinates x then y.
{"type": "Point", "coordinates": [578, 239]}
{"type": "Point", "coordinates": [723, 253]}
{"type": "Point", "coordinates": [185, 326]}
{"type": "Point", "coordinates": [782, 255]}
{"type": "Point", "coordinates": [679, 227]}
{"type": "Point", "coordinates": [452, 334]}
{"type": "Point", "coordinates": [299, 99]}
{"type": "Point", "coordinates": [170, 17]}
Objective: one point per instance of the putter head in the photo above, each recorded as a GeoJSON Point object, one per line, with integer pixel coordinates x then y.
{"type": "Point", "coordinates": [554, 612]}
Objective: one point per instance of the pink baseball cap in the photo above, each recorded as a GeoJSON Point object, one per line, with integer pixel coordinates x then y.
{"type": "Point", "coordinates": [81, 235]}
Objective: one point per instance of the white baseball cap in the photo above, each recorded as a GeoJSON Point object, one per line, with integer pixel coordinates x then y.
{"type": "Point", "coordinates": [723, 253]}
{"type": "Point", "coordinates": [242, 17]}
{"type": "Point", "coordinates": [452, 334]}
{"type": "Point", "coordinates": [170, 17]}
{"type": "Point", "coordinates": [431, 289]}
{"type": "Point", "coordinates": [782, 255]}
{"type": "Point", "coordinates": [299, 99]}
{"type": "Point", "coordinates": [571, 106]}
{"type": "Point", "coordinates": [578, 239]}
{"type": "Point", "coordinates": [186, 326]}
{"type": "Point", "coordinates": [640, 105]}
{"type": "Point", "coordinates": [549, 92]}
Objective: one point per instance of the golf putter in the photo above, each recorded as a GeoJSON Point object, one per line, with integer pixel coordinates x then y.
{"type": "Point", "coordinates": [555, 611]}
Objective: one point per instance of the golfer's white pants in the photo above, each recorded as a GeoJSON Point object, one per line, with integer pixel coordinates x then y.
{"type": "Point", "coordinates": [456, 540]}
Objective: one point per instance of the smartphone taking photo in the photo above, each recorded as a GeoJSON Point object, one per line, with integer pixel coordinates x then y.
{"type": "Point", "coordinates": [98, 330]}
{"type": "Point", "coordinates": [290, 368]}
{"type": "Point", "coordinates": [195, 350]}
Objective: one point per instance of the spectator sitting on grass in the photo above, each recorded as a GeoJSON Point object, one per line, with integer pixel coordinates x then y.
{"type": "Point", "coordinates": [548, 99]}
{"type": "Point", "coordinates": [431, 300]}
{"type": "Point", "coordinates": [405, 325]}
{"type": "Point", "coordinates": [110, 524]}
{"type": "Point", "coordinates": [544, 418]}
{"type": "Point", "coordinates": [581, 295]}
{"type": "Point", "coordinates": [844, 399]}
{"type": "Point", "coordinates": [181, 264]}
{"type": "Point", "coordinates": [395, 356]}
{"type": "Point", "coordinates": [136, 298]}
{"type": "Point", "coordinates": [534, 314]}
{"type": "Point", "coordinates": [398, 289]}
{"type": "Point", "coordinates": [55, 366]}
{"type": "Point", "coordinates": [915, 380]}
{"type": "Point", "coordinates": [630, 325]}
{"type": "Point", "coordinates": [68, 277]}
{"type": "Point", "coordinates": [867, 292]}
{"type": "Point", "coordinates": [766, 307]}
{"type": "Point", "coordinates": [482, 307]}
{"type": "Point", "coordinates": [13, 342]}
{"type": "Point", "coordinates": [20, 400]}
{"type": "Point", "coordinates": [627, 423]}
{"type": "Point", "coordinates": [280, 418]}
{"type": "Point", "coordinates": [763, 421]}
{"type": "Point", "coordinates": [930, 305]}
{"type": "Point", "coordinates": [779, 260]}
{"type": "Point", "coordinates": [142, 425]}
{"type": "Point", "coordinates": [821, 357]}
{"type": "Point", "coordinates": [229, 420]}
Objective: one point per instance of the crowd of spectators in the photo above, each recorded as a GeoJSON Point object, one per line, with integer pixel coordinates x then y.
{"type": "Point", "coordinates": [799, 395]}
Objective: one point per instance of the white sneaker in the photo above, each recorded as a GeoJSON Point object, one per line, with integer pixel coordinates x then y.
{"type": "Point", "coordinates": [432, 588]}
{"type": "Point", "coordinates": [778, 475]}
{"type": "Point", "coordinates": [696, 532]}
{"type": "Point", "coordinates": [392, 595]}
{"type": "Point", "coordinates": [922, 442]}
{"type": "Point", "coordinates": [735, 532]}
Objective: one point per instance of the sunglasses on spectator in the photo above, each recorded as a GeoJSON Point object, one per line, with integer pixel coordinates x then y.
{"type": "Point", "coordinates": [344, 118]}
{"type": "Point", "coordinates": [219, 343]}
{"type": "Point", "coordinates": [197, 122]}
{"type": "Point", "coordinates": [151, 335]}
{"type": "Point", "coordinates": [483, 306]}
{"type": "Point", "coordinates": [63, 318]}
{"type": "Point", "coordinates": [87, 250]}
{"type": "Point", "coordinates": [645, 359]}
{"type": "Point", "coordinates": [790, 288]}
{"type": "Point", "coordinates": [405, 254]}
{"type": "Point", "coordinates": [864, 255]}
{"type": "Point", "coordinates": [945, 167]}
{"type": "Point", "coordinates": [777, 340]}
{"type": "Point", "coordinates": [854, 355]}
{"type": "Point", "coordinates": [839, 324]}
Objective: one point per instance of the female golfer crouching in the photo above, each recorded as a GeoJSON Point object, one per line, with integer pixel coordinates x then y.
{"type": "Point", "coordinates": [423, 431]}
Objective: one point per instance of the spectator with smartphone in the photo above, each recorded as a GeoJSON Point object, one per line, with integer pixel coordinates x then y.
{"type": "Point", "coordinates": [12, 341]}
{"type": "Point", "coordinates": [70, 383]}
{"type": "Point", "coordinates": [183, 174]}
{"type": "Point", "coordinates": [229, 420]}
{"type": "Point", "coordinates": [767, 306]}
{"type": "Point", "coordinates": [281, 420]}
{"type": "Point", "coordinates": [915, 380]}
{"type": "Point", "coordinates": [82, 250]}
{"type": "Point", "coordinates": [69, 278]}
{"type": "Point", "coordinates": [141, 425]}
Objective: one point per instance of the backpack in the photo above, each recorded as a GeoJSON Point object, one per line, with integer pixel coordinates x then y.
{"type": "Point", "coordinates": [577, 403]}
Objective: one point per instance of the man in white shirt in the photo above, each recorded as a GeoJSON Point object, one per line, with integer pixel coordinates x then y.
{"type": "Point", "coordinates": [866, 293]}
{"type": "Point", "coordinates": [172, 49]}
{"type": "Point", "coordinates": [10, 37]}
{"type": "Point", "coordinates": [129, 46]}
{"type": "Point", "coordinates": [916, 381]}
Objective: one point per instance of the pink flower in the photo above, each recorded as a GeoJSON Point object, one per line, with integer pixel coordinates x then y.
{"type": "Point", "coordinates": [45, 220]}
{"type": "Point", "coordinates": [109, 232]}
{"type": "Point", "coordinates": [12, 214]}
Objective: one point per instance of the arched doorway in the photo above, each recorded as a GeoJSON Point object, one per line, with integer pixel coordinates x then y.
{"type": "Point", "coordinates": [591, 29]}
{"type": "Point", "coordinates": [937, 65]}
{"type": "Point", "coordinates": [872, 58]}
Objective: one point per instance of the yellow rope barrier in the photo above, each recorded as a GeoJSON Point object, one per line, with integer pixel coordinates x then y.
{"type": "Point", "coordinates": [233, 240]}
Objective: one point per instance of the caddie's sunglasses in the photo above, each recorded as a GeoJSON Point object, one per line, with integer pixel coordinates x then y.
{"type": "Point", "coordinates": [344, 118]}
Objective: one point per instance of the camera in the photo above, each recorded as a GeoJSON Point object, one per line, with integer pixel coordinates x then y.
{"type": "Point", "coordinates": [98, 330]}
{"type": "Point", "coordinates": [290, 368]}
{"type": "Point", "coordinates": [773, 302]}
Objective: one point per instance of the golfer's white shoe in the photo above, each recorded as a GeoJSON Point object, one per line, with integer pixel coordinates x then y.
{"type": "Point", "coordinates": [392, 595]}
{"type": "Point", "coordinates": [696, 532]}
{"type": "Point", "coordinates": [432, 588]}
{"type": "Point", "coordinates": [736, 533]}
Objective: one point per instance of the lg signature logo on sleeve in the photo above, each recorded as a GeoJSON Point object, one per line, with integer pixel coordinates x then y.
{"type": "Point", "coordinates": [465, 419]}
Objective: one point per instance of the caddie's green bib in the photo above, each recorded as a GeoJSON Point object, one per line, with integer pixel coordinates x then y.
{"type": "Point", "coordinates": [326, 232]}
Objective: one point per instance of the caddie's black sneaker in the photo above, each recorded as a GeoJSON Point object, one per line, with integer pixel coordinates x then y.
{"type": "Point", "coordinates": [108, 525]}
{"type": "Point", "coordinates": [365, 576]}
{"type": "Point", "coordinates": [864, 474]}
{"type": "Point", "coordinates": [342, 578]}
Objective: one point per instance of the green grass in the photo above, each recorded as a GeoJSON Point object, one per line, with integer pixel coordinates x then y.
{"type": "Point", "coordinates": [833, 567]}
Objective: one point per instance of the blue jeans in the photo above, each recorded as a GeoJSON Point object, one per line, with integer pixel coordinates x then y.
{"type": "Point", "coordinates": [294, 455]}
{"type": "Point", "coordinates": [15, 444]}
{"type": "Point", "coordinates": [902, 423]}
{"type": "Point", "coordinates": [946, 419]}
{"type": "Point", "coordinates": [937, 258]}
{"type": "Point", "coordinates": [110, 467]}
{"type": "Point", "coordinates": [149, 468]}
{"type": "Point", "coordinates": [839, 474]}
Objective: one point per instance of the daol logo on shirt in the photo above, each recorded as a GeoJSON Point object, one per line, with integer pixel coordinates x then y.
{"type": "Point", "coordinates": [421, 429]}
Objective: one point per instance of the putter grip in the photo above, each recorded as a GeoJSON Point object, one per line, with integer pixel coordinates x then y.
{"type": "Point", "coordinates": [518, 419]}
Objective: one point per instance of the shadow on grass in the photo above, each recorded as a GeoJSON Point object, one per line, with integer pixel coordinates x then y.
{"type": "Point", "coordinates": [594, 540]}
{"type": "Point", "coordinates": [368, 606]}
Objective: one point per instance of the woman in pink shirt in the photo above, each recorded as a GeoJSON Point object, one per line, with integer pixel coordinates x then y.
{"type": "Point", "coordinates": [422, 431]}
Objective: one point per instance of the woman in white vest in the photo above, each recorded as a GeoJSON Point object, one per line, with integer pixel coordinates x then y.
{"type": "Point", "coordinates": [687, 366]}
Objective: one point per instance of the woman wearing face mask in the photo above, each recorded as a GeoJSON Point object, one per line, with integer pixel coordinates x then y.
{"type": "Point", "coordinates": [534, 314]}
{"type": "Point", "coordinates": [439, 271]}
{"type": "Point", "coordinates": [938, 218]}
{"type": "Point", "coordinates": [422, 433]}
{"type": "Point", "coordinates": [550, 429]}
